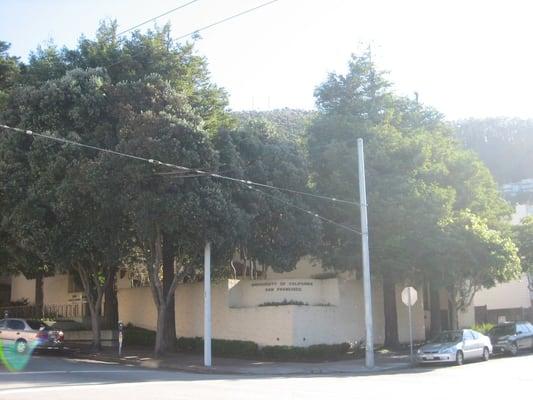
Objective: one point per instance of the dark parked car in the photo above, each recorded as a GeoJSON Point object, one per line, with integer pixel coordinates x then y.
{"type": "Point", "coordinates": [511, 337]}
{"type": "Point", "coordinates": [29, 333]}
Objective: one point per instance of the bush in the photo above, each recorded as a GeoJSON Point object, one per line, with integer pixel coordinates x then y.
{"type": "Point", "coordinates": [220, 347]}
{"type": "Point", "coordinates": [312, 353]}
{"type": "Point", "coordinates": [483, 328]}
{"type": "Point", "coordinates": [135, 336]}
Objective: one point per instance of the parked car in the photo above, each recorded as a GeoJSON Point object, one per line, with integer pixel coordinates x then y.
{"type": "Point", "coordinates": [27, 333]}
{"type": "Point", "coordinates": [455, 347]}
{"type": "Point", "coordinates": [511, 337]}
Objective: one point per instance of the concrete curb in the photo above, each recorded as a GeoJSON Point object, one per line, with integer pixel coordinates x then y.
{"type": "Point", "coordinates": [163, 364]}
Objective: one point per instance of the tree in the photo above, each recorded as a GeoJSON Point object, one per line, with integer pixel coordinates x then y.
{"type": "Point", "coordinates": [523, 237]}
{"type": "Point", "coordinates": [171, 216]}
{"type": "Point", "coordinates": [61, 198]}
{"type": "Point", "coordinates": [129, 60]}
{"type": "Point", "coordinates": [9, 72]}
{"type": "Point", "coordinates": [503, 144]}
{"type": "Point", "coordinates": [473, 256]}
{"type": "Point", "coordinates": [274, 231]}
{"type": "Point", "coordinates": [417, 177]}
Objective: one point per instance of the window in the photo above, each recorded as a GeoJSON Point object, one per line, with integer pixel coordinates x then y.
{"type": "Point", "coordinates": [2, 323]}
{"type": "Point", "coordinates": [476, 335]}
{"type": "Point", "coordinates": [467, 335]}
{"type": "Point", "coordinates": [37, 325]}
{"type": "Point", "coordinates": [529, 327]}
{"type": "Point", "coordinates": [15, 324]}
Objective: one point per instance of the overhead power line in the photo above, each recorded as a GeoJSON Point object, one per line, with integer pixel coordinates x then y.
{"type": "Point", "coordinates": [349, 228]}
{"type": "Point", "coordinates": [226, 19]}
{"type": "Point", "coordinates": [196, 31]}
{"type": "Point", "coordinates": [154, 18]}
{"type": "Point", "coordinates": [192, 172]}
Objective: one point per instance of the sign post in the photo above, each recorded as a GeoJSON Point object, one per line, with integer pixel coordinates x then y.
{"type": "Point", "coordinates": [409, 297]}
{"type": "Point", "coordinates": [207, 305]}
{"type": "Point", "coordinates": [120, 337]}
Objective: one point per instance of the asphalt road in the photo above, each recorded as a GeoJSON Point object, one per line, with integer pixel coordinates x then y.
{"type": "Point", "coordinates": [53, 377]}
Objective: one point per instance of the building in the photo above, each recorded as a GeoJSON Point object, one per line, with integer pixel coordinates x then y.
{"type": "Point", "coordinates": [298, 308]}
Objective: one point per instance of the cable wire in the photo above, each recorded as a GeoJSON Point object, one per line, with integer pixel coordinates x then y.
{"type": "Point", "coordinates": [199, 29]}
{"type": "Point", "coordinates": [349, 228]}
{"type": "Point", "coordinates": [226, 19]}
{"type": "Point", "coordinates": [154, 18]}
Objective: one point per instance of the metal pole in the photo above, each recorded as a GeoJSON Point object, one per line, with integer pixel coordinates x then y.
{"type": "Point", "coordinates": [367, 287]}
{"type": "Point", "coordinates": [410, 326]}
{"type": "Point", "coordinates": [207, 305]}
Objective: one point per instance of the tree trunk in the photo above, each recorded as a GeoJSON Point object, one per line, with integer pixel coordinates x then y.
{"type": "Point", "coordinates": [435, 319]}
{"type": "Point", "coordinates": [391, 314]}
{"type": "Point", "coordinates": [39, 294]}
{"type": "Point", "coordinates": [95, 328]}
{"type": "Point", "coordinates": [110, 320]}
{"type": "Point", "coordinates": [169, 342]}
{"type": "Point", "coordinates": [454, 318]}
{"type": "Point", "coordinates": [160, 332]}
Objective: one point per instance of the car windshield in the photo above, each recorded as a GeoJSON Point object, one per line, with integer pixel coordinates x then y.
{"type": "Point", "coordinates": [448, 337]}
{"type": "Point", "coordinates": [36, 325]}
{"type": "Point", "coordinates": [502, 330]}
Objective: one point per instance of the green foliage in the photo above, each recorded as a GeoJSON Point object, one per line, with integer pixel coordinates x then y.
{"type": "Point", "coordinates": [523, 236]}
{"type": "Point", "coordinates": [283, 303]}
{"type": "Point", "coordinates": [220, 347]}
{"type": "Point", "coordinates": [319, 352]}
{"type": "Point", "coordinates": [483, 328]}
{"type": "Point", "coordinates": [290, 124]}
{"type": "Point", "coordinates": [9, 72]}
{"type": "Point", "coordinates": [258, 154]}
{"type": "Point", "coordinates": [418, 177]}
{"type": "Point", "coordinates": [135, 336]}
{"type": "Point", "coordinates": [505, 145]}
{"type": "Point", "coordinates": [246, 349]}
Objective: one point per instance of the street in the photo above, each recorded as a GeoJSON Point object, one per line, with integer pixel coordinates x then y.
{"type": "Point", "coordinates": [58, 378]}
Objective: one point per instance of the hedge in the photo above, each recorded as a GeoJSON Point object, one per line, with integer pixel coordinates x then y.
{"type": "Point", "coordinates": [220, 347]}
{"type": "Point", "coordinates": [311, 353]}
{"type": "Point", "coordinates": [135, 336]}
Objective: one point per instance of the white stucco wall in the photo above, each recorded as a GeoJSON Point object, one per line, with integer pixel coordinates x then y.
{"type": "Point", "coordinates": [275, 325]}
{"type": "Point", "coordinates": [55, 289]}
{"type": "Point", "coordinates": [22, 288]}
{"type": "Point", "coordinates": [514, 294]}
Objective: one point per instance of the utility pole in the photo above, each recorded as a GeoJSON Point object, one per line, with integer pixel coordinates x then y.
{"type": "Point", "coordinates": [207, 305]}
{"type": "Point", "coordinates": [367, 287]}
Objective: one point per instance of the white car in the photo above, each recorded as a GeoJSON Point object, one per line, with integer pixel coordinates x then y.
{"type": "Point", "coordinates": [455, 347]}
{"type": "Point", "coordinates": [24, 334]}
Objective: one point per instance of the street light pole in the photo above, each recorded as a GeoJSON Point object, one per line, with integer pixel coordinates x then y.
{"type": "Point", "coordinates": [207, 305]}
{"type": "Point", "coordinates": [367, 287]}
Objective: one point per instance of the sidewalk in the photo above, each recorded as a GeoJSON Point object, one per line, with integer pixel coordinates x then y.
{"type": "Point", "coordinates": [194, 363]}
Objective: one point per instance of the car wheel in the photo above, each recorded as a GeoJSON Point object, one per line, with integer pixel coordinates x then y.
{"type": "Point", "coordinates": [21, 346]}
{"type": "Point", "coordinates": [459, 358]}
{"type": "Point", "coordinates": [486, 354]}
{"type": "Point", "coordinates": [513, 349]}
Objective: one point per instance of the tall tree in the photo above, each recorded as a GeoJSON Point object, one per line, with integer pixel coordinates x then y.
{"type": "Point", "coordinates": [417, 177]}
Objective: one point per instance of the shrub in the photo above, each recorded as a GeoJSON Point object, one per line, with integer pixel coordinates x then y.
{"type": "Point", "coordinates": [220, 347]}
{"type": "Point", "coordinates": [135, 336]}
{"type": "Point", "coordinates": [283, 303]}
{"type": "Point", "coordinates": [483, 328]}
{"type": "Point", "coordinates": [311, 353]}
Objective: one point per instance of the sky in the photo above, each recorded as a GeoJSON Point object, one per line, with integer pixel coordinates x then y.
{"type": "Point", "coordinates": [466, 58]}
